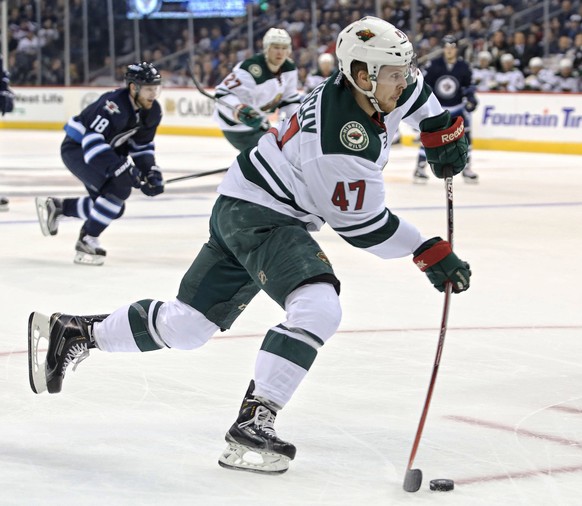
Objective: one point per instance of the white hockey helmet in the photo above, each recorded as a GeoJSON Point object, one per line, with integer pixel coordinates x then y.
{"type": "Point", "coordinates": [276, 36]}
{"type": "Point", "coordinates": [536, 61]}
{"type": "Point", "coordinates": [326, 58]}
{"type": "Point", "coordinates": [374, 42]}
{"type": "Point", "coordinates": [484, 55]}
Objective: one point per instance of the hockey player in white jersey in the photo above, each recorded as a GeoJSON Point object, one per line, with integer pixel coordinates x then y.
{"type": "Point", "coordinates": [255, 88]}
{"type": "Point", "coordinates": [324, 165]}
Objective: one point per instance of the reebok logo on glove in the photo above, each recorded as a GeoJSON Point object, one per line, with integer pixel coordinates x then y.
{"type": "Point", "coordinates": [443, 137]}
{"type": "Point", "coordinates": [459, 132]}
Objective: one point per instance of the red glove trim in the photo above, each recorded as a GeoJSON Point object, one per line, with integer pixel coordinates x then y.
{"type": "Point", "coordinates": [443, 137]}
{"type": "Point", "coordinates": [433, 255]}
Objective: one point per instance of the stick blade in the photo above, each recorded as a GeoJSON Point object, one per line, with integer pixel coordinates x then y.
{"type": "Point", "coordinates": [412, 480]}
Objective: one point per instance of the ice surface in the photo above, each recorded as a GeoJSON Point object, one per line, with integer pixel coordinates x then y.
{"type": "Point", "coordinates": [146, 429]}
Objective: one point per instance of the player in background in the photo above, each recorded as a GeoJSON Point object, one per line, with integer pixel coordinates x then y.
{"type": "Point", "coordinates": [6, 105]}
{"type": "Point", "coordinates": [484, 72]}
{"type": "Point", "coordinates": [325, 68]}
{"type": "Point", "coordinates": [109, 147]}
{"type": "Point", "coordinates": [324, 165]}
{"type": "Point", "coordinates": [451, 80]}
{"type": "Point", "coordinates": [509, 78]}
{"type": "Point", "coordinates": [256, 87]}
{"type": "Point", "coordinates": [539, 78]}
{"type": "Point", "coordinates": [567, 79]}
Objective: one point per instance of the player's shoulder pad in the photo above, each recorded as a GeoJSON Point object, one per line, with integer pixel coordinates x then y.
{"type": "Point", "coordinates": [256, 66]}
{"type": "Point", "coordinates": [288, 66]}
{"type": "Point", "coordinates": [345, 128]}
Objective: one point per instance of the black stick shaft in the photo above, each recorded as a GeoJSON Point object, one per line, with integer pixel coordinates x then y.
{"type": "Point", "coordinates": [194, 176]}
{"type": "Point", "coordinates": [441, 341]}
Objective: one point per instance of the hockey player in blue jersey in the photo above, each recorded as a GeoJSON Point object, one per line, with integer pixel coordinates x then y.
{"type": "Point", "coordinates": [6, 105]}
{"type": "Point", "coordinates": [109, 147]}
{"type": "Point", "coordinates": [450, 78]}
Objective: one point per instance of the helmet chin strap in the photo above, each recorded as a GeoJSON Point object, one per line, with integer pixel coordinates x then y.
{"type": "Point", "coordinates": [371, 96]}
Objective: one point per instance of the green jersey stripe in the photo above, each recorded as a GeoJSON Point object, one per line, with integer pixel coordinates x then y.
{"type": "Point", "coordinates": [363, 225]}
{"type": "Point", "coordinates": [290, 349]}
{"type": "Point", "coordinates": [138, 322]}
{"type": "Point", "coordinates": [420, 101]}
{"type": "Point", "coordinates": [376, 237]}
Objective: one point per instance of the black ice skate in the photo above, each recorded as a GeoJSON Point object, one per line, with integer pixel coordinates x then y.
{"type": "Point", "coordinates": [69, 340]}
{"type": "Point", "coordinates": [48, 210]}
{"type": "Point", "coordinates": [253, 444]}
{"type": "Point", "coordinates": [89, 251]}
{"type": "Point", "coordinates": [4, 204]}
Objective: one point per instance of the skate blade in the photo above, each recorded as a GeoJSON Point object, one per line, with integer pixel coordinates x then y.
{"type": "Point", "coordinates": [42, 213]}
{"type": "Point", "coordinates": [242, 458]}
{"type": "Point", "coordinates": [38, 328]}
{"type": "Point", "coordinates": [88, 259]}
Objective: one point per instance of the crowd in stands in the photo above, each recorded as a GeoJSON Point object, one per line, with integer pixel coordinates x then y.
{"type": "Point", "coordinates": [36, 40]}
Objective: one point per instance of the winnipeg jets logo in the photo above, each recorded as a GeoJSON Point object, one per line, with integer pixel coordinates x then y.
{"type": "Point", "coordinates": [365, 35]}
{"type": "Point", "coordinates": [354, 136]}
{"type": "Point", "coordinates": [111, 107]}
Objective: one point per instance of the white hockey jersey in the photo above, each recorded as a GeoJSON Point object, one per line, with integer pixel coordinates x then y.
{"type": "Point", "coordinates": [325, 165]}
{"type": "Point", "coordinates": [252, 83]}
{"type": "Point", "coordinates": [511, 80]}
{"type": "Point", "coordinates": [484, 78]}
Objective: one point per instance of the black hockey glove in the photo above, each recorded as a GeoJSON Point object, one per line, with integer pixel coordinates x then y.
{"type": "Point", "coordinates": [436, 259]}
{"type": "Point", "coordinates": [6, 102]}
{"type": "Point", "coordinates": [153, 183]}
{"type": "Point", "coordinates": [471, 102]}
{"type": "Point", "coordinates": [445, 144]}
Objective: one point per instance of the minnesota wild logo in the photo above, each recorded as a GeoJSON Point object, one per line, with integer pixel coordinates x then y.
{"type": "Point", "coordinates": [365, 35]}
{"type": "Point", "coordinates": [354, 136]}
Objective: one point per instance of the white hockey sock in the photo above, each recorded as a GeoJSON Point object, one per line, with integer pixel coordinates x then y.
{"type": "Point", "coordinates": [289, 349]}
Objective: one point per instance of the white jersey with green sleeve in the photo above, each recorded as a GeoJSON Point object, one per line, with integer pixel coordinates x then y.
{"type": "Point", "coordinates": [252, 83]}
{"type": "Point", "coordinates": [325, 165]}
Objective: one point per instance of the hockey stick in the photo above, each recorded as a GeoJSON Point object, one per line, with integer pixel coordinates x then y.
{"type": "Point", "coordinates": [194, 176]}
{"type": "Point", "coordinates": [264, 126]}
{"type": "Point", "coordinates": [413, 477]}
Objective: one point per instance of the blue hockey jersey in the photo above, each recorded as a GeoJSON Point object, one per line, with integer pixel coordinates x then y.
{"type": "Point", "coordinates": [110, 129]}
{"type": "Point", "coordinates": [449, 83]}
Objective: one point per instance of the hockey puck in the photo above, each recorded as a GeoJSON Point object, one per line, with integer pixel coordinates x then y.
{"type": "Point", "coordinates": [442, 485]}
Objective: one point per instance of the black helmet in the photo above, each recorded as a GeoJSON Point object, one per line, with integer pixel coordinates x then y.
{"type": "Point", "coordinates": [449, 40]}
{"type": "Point", "coordinates": [142, 74]}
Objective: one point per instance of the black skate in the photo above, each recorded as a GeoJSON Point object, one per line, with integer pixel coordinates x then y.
{"type": "Point", "coordinates": [69, 340]}
{"type": "Point", "coordinates": [89, 251]}
{"type": "Point", "coordinates": [48, 210]}
{"type": "Point", "coordinates": [253, 444]}
{"type": "Point", "coordinates": [4, 204]}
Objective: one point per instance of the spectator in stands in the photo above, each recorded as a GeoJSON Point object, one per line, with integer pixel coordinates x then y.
{"type": "Point", "coordinates": [484, 72]}
{"type": "Point", "coordinates": [509, 78]}
{"type": "Point", "coordinates": [567, 80]}
{"type": "Point", "coordinates": [539, 78]}
{"type": "Point", "coordinates": [497, 46]}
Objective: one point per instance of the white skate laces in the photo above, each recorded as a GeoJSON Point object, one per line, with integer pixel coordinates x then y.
{"type": "Point", "coordinates": [75, 355]}
{"type": "Point", "coordinates": [264, 419]}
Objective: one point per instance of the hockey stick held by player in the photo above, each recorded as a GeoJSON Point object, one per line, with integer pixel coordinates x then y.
{"type": "Point", "coordinates": [322, 166]}
{"type": "Point", "coordinates": [109, 147]}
